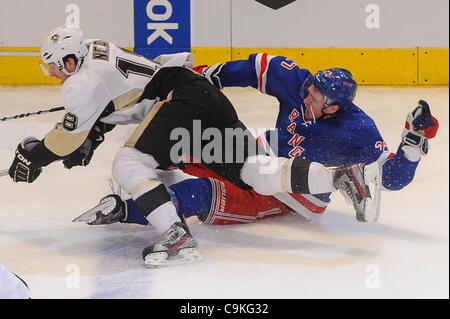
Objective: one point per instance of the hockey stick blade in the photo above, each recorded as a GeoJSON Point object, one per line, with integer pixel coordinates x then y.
{"type": "Point", "coordinates": [4, 172]}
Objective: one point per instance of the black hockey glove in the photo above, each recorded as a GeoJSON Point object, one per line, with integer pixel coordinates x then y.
{"type": "Point", "coordinates": [83, 155]}
{"type": "Point", "coordinates": [24, 167]}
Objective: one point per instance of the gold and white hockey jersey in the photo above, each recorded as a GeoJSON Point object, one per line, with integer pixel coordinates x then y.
{"type": "Point", "coordinates": [107, 87]}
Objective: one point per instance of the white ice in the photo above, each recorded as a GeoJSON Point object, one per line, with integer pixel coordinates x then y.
{"type": "Point", "coordinates": [404, 255]}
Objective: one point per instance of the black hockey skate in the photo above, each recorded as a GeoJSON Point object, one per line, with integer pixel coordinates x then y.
{"type": "Point", "coordinates": [177, 246]}
{"type": "Point", "coordinates": [361, 186]}
{"type": "Point", "coordinates": [111, 209]}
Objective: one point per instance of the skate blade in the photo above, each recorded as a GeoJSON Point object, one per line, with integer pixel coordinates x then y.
{"type": "Point", "coordinates": [347, 199]}
{"type": "Point", "coordinates": [372, 178]}
{"type": "Point", "coordinates": [160, 260]}
{"type": "Point", "coordinates": [91, 215]}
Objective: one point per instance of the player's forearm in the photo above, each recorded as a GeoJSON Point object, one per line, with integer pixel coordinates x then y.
{"type": "Point", "coordinates": [43, 155]}
{"type": "Point", "coordinates": [235, 73]}
{"type": "Point", "coordinates": [239, 73]}
{"type": "Point", "coordinates": [398, 171]}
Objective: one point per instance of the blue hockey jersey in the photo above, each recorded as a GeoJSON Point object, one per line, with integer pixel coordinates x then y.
{"type": "Point", "coordinates": [348, 137]}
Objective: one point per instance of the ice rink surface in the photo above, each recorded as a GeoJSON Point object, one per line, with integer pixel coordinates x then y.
{"type": "Point", "coordinates": [404, 255]}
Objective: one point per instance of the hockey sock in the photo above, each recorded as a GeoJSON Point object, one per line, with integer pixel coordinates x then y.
{"type": "Point", "coordinates": [192, 196]}
{"type": "Point", "coordinates": [134, 216]}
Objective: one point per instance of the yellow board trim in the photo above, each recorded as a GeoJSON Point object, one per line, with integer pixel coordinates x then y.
{"type": "Point", "coordinates": [433, 66]}
{"type": "Point", "coordinates": [210, 56]}
{"type": "Point", "coordinates": [368, 66]}
{"type": "Point", "coordinates": [391, 67]}
{"type": "Point", "coordinates": [20, 49]}
{"type": "Point", "coordinates": [33, 49]}
{"type": "Point", "coordinates": [24, 70]}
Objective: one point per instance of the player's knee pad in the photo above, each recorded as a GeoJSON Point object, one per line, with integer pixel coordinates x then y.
{"type": "Point", "coordinates": [132, 168]}
{"type": "Point", "coordinates": [319, 179]}
{"type": "Point", "coordinates": [267, 175]}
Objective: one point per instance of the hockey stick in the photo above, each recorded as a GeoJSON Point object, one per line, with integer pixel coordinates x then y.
{"type": "Point", "coordinates": [4, 172]}
{"type": "Point", "coordinates": [18, 116]}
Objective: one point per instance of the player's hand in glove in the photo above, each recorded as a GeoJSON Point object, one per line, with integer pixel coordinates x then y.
{"type": "Point", "coordinates": [419, 127]}
{"type": "Point", "coordinates": [83, 155]}
{"type": "Point", "coordinates": [24, 167]}
{"type": "Point", "coordinates": [212, 74]}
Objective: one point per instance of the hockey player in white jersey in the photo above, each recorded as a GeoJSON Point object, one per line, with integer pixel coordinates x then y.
{"type": "Point", "coordinates": [103, 86]}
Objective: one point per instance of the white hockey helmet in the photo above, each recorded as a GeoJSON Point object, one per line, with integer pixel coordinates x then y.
{"type": "Point", "coordinates": [62, 41]}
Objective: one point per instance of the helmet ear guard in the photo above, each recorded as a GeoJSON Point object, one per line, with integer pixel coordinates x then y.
{"type": "Point", "coordinates": [61, 42]}
{"type": "Point", "coordinates": [337, 85]}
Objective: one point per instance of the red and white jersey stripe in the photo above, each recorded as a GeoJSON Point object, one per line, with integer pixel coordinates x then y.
{"type": "Point", "coordinates": [217, 214]}
{"type": "Point", "coordinates": [262, 62]}
{"type": "Point", "coordinates": [305, 204]}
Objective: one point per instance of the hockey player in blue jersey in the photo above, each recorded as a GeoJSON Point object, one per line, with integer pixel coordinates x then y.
{"type": "Point", "coordinates": [317, 120]}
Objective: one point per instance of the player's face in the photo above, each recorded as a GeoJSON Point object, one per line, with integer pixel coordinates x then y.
{"type": "Point", "coordinates": [314, 103]}
{"type": "Point", "coordinates": [57, 73]}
